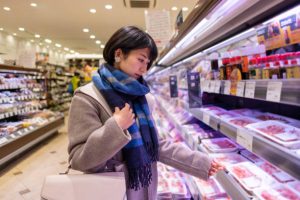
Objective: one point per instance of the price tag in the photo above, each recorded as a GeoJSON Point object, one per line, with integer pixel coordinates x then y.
{"type": "Point", "coordinates": [217, 87]}
{"type": "Point", "coordinates": [274, 91]}
{"type": "Point", "coordinates": [206, 118]}
{"type": "Point", "coordinates": [240, 89]}
{"type": "Point", "coordinates": [227, 87]}
{"type": "Point", "coordinates": [20, 132]}
{"type": "Point", "coordinates": [3, 140]}
{"type": "Point", "coordinates": [31, 127]}
{"type": "Point", "coordinates": [12, 135]}
{"type": "Point", "coordinates": [212, 86]}
{"type": "Point", "coordinates": [244, 138]}
{"type": "Point", "coordinates": [250, 89]}
{"type": "Point", "coordinates": [6, 115]}
{"type": "Point", "coordinates": [1, 116]}
{"type": "Point", "coordinates": [26, 130]}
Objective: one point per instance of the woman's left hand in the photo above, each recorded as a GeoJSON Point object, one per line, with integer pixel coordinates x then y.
{"type": "Point", "coordinates": [214, 168]}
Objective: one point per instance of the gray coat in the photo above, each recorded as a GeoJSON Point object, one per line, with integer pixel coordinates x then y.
{"type": "Point", "coordinates": [96, 140]}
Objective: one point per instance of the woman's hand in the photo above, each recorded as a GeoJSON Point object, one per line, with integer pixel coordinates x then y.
{"type": "Point", "coordinates": [124, 117]}
{"type": "Point", "coordinates": [214, 168]}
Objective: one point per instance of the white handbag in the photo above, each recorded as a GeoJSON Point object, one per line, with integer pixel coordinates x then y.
{"type": "Point", "coordinates": [98, 186]}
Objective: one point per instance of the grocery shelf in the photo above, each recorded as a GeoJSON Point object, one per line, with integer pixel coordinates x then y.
{"type": "Point", "coordinates": [282, 157]}
{"type": "Point", "coordinates": [20, 141]}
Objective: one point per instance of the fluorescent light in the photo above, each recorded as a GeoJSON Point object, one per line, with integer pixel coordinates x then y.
{"type": "Point", "coordinates": [283, 15]}
{"type": "Point", "coordinates": [66, 49]}
{"type": "Point", "coordinates": [92, 37]}
{"type": "Point", "coordinates": [92, 10]}
{"type": "Point", "coordinates": [32, 41]}
{"type": "Point", "coordinates": [21, 29]}
{"type": "Point", "coordinates": [86, 30]}
{"type": "Point", "coordinates": [98, 42]}
{"type": "Point", "coordinates": [185, 9]}
{"type": "Point", "coordinates": [1, 29]}
{"type": "Point", "coordinates": [108, 7]}
{"type": "Point", "coordinates": [102, 46]}
{"type": "Point", "coordinates": [48, 41]}
{"type": "Point", "coordinates": [40, 43]}
{"type": "Point", "coordinates": [37, 36]}
{"type": "Point", "coordinates": [174, 8]}
{"type": "Point", "coordinates": [14, 34]}
{"type": "Point", "coordinates": [72, 51]}
{"type": "Point", "coordinates": [33, 4]}
{"type": "Point", "coordinates": [58, 45]}
{"type": "Point", "coordinates": [6, 8]}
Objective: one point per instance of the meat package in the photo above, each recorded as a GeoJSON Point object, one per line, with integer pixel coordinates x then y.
{"type": "Point", "coordinates": [250, 156]}
{"type": "Point", "coordinates": [271, 116]}
{"type": "Point", "coordinates": [212, 109]}
{"type": "Point", "coordinates": [219, 145]}
{"type": "Point", "coordinates": [227, 114]}
{"type": "Point", "coordinates": [227, 159]}
{"type": "Point", "coordinates": [281, 133]}
{"type": "Point", "coordinates": [210, 189]}
{"type": "Point", "coordinates": [295, 186]}
{"type": "Point", "coordinates": [276, 192]}
{"type": "Point", "coordinates": [250, 176]}
{"type": "Point", "coordinates": [278, 174]}
{"type": "Point", "coordinates": [246, 112]}
{"type": "Point", "coordinates": [163, 189]}
{"type": "Point", "coordinates": [239, 122]}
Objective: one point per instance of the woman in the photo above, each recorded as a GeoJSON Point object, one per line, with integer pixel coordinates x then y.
{"type": "Point", "coordinates": [111, 127]}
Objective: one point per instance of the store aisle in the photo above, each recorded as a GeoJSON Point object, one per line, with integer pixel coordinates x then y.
{"type": "Point", "coordinates": [23, 179]}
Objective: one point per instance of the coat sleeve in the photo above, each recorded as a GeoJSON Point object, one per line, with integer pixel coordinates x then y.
{"type": "Point", "coordinates": [91, 141]}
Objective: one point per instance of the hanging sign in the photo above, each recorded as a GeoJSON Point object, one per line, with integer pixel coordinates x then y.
{"type": "Point", "coordinates": [173, 86]}
{"type": "Point", "coordinates": [194, 90]}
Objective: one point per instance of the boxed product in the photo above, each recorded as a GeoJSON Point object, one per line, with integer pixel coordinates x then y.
{"type": "Point", "coordinates": [277, 192]}
{"type": "Point", "coordinates": [246, 112]}
{"type": "Point", "coordinates": [219, 145]}
{"type": "Point", "coordinates": [239, 122]}
{"type": "Point", "coordinates": [227, 159]}
{"type": "Point", "coordinates": [281, 133]}
{"type": "Point", "coordinates": [227, 114]}
{"type": "Point", "coordinates": [250, 156]}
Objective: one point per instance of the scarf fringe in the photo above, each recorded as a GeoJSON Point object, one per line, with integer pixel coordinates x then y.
{"type": "Point", "coordinates": [152, 151]}
{"type": "Point", "coordinates": [140, 177]}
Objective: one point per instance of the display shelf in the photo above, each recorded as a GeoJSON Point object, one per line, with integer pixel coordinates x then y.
{"type": "Point", "coordinates": [282, 157]}
{"type": "Point", "coordinates": [20, 141]}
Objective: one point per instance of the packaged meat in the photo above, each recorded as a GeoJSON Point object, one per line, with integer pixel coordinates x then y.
{"type": "Point", "coordinates": [227, 159]}
{"type": "Point", "coordinates": [212, 108]}
{"type": "Point", "coordinates": [210, 189]}
{"type": "Point", "coordinates": [283, 119]}
{"type": "Point", "coordinates": [275, 172]}
{"type": "Point", "coordinates": [295, 186]}
{"type": "Point", "coordinates": [250, 176]}
{"type": "Point", "coordinates": [163, 189]}
{"type": "Point", "coordinates": [250, 156]}
{"type": "Point", "coordinates": [281, 133]}
{"type": "Point", "coordinates": [179, 189]}
{"type": "Point", "coordinates": [219, 145]}
{"type": "Point", "coordinates": [277, 191]}
{"type": "Point", "coordinates": [246, 112]}
{"type": "Point", "coordinates": [241, 121]}
{"type": "Point", "coordinates": [227, 114]}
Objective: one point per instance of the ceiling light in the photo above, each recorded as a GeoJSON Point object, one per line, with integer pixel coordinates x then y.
{"type": "Point", "coordinates": [93, 11]}
{"type": "Point", "coordinates": [66, 49]}
{"type": "Point", "coordinates": [48, 41]}
{"type": "Point", "coordinates": [37, 36]}
{"type": "Point", "coordinates": [72, 51]}
{"type": "Point", "coordinates": [174, 8]}
{"type": "Point", "coordinates": [58, 45]}
{"type": "Point", "coordinates": [40, 43]}
{"type": "Point", "coordinates": [102, 46]}
{"type": "Point", "coordinates": [6, 8]}
{"type": "Point", "coordinates": [98, 42]}
{"type": "Point", "coordinates": [108, 7]}
{"type": "Point", "coordinates": [14, 34]}
{"type": "Point", "coordinates": [32, 41]}
{"type": "Point", "coordinates": [92, 37]}
{"type": "Point", "coordinates": [21, 29]}
{"type": "Point", "coordinates": [185, 9]}
{"type": "Point", "coordinates": [33, 4]}
{"type": "Point", "coordinates": [86, 30]}
{"type": "Point", "coordinates": [1, 29]}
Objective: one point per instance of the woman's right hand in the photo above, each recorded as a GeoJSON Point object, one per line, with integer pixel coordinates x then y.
{"type": "Point", "coordinates": [124, 117]}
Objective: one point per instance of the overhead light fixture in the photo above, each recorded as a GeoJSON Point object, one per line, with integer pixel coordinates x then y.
{"type": "Point", "coordinates": [92, 10]}
{"type": "Point", "coordinates": [174, 8]}
{"type": "Point", "coordinates": [48, 41]}
{"type": "Point", "coordinates": [66, 49]}
{"type": "Point", "coordinates": [98, 42]}
{"type": "Point", "coordinates": [86, 30]}
{"type": "Point", "coordinates": [102, 46]}
{"type": "Point", "coordinates": [14, 34]}
{"type": "Point", "coordinates": [58, 45]}
{"type": "Point", "coordinates": [21, 29]}
{"type": "Point", "coordinates": [6, 8]}
{"type": "Point", "coordinates": [33, 4]}
{"type": "Point", "coordinates": [185, 9]}
{"type": "Point", "coordinates": [108, 7]}
{"type": "Point", "coordinates": [37, 36]}
{"type": "Point", "coordinates": [40, 43]}
{"type": "Point", "coordinates": [1, 29]}
{"type": "Point", "coordinates": [32, 41]}
{"type": "Point", "coordinates": [72, 51]}
{"type": "Point", "coordinates": [92, 37]}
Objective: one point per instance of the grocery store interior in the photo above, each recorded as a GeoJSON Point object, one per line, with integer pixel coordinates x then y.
{"type": "Point", "coordinates": [226, 82]}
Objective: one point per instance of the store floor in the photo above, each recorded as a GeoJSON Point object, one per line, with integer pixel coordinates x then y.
{"type": "Point", "coordinates": [23, 179]}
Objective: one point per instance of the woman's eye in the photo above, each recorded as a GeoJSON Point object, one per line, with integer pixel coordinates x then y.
{"type": "Point", "coordinates": [141, 60]}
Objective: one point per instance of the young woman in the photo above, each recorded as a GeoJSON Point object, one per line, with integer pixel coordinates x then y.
{"type": "Point", "coordinates": [110, 123]}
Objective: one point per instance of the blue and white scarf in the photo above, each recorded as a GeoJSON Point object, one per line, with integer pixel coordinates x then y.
{"type": "Point", "coordinates": [118, 88]}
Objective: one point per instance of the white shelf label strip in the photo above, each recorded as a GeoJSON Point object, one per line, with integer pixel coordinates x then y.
{"type": "Point", "coordinates": [244, 138]}
{"type": "Point", "coordinates": [274, 91]}
{"type": "Point", "coordinates": [250, 89]}
{"type": "Point", "coordinates": [240, 89]}
{"type": "Point", "coordinates": [206, 118]}
{"type": "Point", "coordinates": [227, 87]}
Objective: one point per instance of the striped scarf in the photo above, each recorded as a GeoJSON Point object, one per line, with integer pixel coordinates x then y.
{"type": "Point", "coordinates": [118, 88]}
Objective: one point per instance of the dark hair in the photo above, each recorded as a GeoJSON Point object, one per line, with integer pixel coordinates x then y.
{"type": "Point", "coordinates": [129, 38]}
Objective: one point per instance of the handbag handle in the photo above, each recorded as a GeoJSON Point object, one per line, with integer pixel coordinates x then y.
{"type": "Point", "coordinates": [67, 170]}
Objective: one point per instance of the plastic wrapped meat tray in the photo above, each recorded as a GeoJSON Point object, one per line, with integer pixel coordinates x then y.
{"type": "Point", "coordinates": [210, 189]}
{"type": "Point", "coordinates": [271, 116]}
{"type": "Point", "coordinates": [277, 192]}
{"type": "Point", "coordinates": [227, 114]}
{"type": "Point", "coordinates": [239, 122]}
{"type": "Point", "coordinates": [251, 156]}
{"type": "Point", "coordinates": [227, 159]}
{"type": "Point", "coordinates": [283, 134]}
{"type": "Point", "coordinates": [219, 145]}
{"type": "Point", "coordinates": [247, 112]}
{"type": "Point", "coordinates": [250, 176]}
{"type": "Point", "coordinates": [212, 109]}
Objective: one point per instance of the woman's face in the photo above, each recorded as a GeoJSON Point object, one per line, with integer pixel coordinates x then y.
{"type": "Point", "coordinates": [135, 63]}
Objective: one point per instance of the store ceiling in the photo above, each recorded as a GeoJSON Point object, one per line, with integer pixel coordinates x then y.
{"type": "Point", "coordinates": [63, 21]}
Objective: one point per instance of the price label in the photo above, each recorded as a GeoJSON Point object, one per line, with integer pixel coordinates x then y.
{"type": "Point", "coordinates": [274, 91]}
{"type": "Point", "coordinates": [227, 87]}
{"type": "Point", "coordinates": [12, 135]}
{"type": "Point", "coordinates": [212, 86]}
{"type": "Point", "coordinates": [1, 116]}
{"type": "Point", "coordinates": [26, 130]}
{"type": "Point", "coordinates": [250, 89]}
{"type": "Point", "coordinates": [244, 138]}
{"type": "Point", "coordinates": [240, 89]}
{"type": "Point", "coordinates": [217, 87]}
{"type": "Point", "coordinates": [3, 140]}
{"type": "Point", "coordinates": [206, 118]}
{"type": "Point", "coordinates": [31, 127]}
{"type": "Point", "coordinates": [20, 132]}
